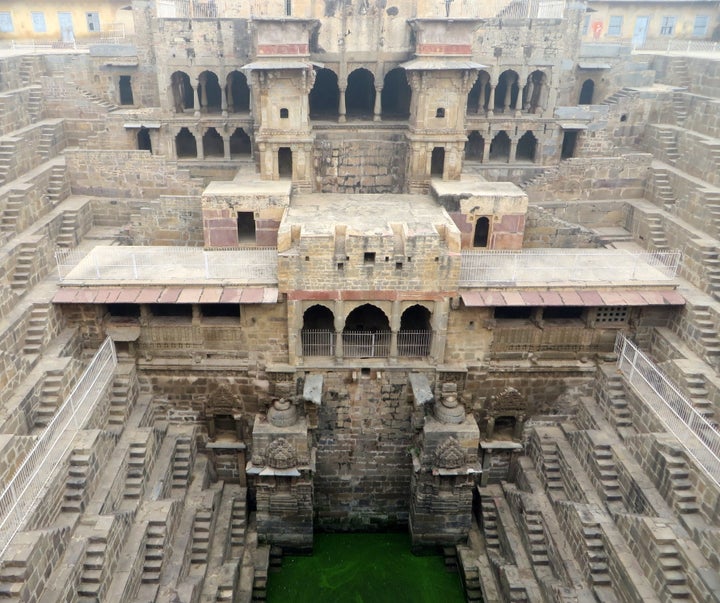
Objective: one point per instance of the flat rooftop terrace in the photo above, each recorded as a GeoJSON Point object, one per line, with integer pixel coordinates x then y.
{"type": "Point", "coordinates": [319, 214]}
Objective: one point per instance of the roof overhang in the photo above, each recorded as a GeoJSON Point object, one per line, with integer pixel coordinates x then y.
{"type": "Point", "coordinates": [572, 125]}
{"type": "Point", "coordinates": [576, 297]}
{"type": "Point", "coordinates": [166, 295]}
{"type": "Point", "coordinates": [441, 64]}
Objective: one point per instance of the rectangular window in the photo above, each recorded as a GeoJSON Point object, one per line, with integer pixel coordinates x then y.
{"type": "Point", "coordinates": [586, 25]}
{"type": "Point", "coordinates": [288, 8]}
{"type": "Point", "coordinates": [38, 22]}
{"type": "Point", "coordinates": [6, 24]}
{"type": "Point", "coordinates": [615, 26]}
{"type": "Point", "coordinates": [700, 26]}
{"type": "Point", "coordinates": [611, 315]}
{"type": "Point", "coordinates": [667, 26]}
{"type": "Point", "coordinates": [93, 21]}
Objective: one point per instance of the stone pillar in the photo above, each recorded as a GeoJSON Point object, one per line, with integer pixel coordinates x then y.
{"type": "Point", "coordinates": [341, 106]}
{"type": "Point", "coordinates": [377, 110]}
{"type": "Point", "coordinates": [199, 143]}
{"type": "Point", "coordinates": [481, 99]}
{"type": "Point", "coordinates": [513, 146]}
{"type": "Point", "coordinates": [394, 328]}
{"type": "Point", "coordinates": [202, 81]}
{"type": "Point", "coordinates": [223, 100]}
{"type": "Point", "coordinates": [529, 90]}
{"type": "Point", "coordinates": [226, 147]}
{"type": "Point", "coordinates": [508, 93]}
{"type": "Point", "coordinates": [491, 102]}
{"type": "Point", "coordinates": [197, 99]}
{"type": "Point", "coordinates": [230, 101]}
{"type": "Point", "coordinates": [445, 461]}
{"type": "Point", "coordinates": [339, 326]}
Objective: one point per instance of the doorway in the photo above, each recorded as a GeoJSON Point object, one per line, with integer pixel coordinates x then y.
{"type": "Point", "coordinates": [437, 162]}
{"type": "Point", "coordinates": [640, 31]}
{"type": "Point", "coordinates": [67, 33]}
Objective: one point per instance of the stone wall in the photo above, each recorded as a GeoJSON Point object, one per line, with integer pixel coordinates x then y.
{"type": "Point", "coordinates": [169, 220]}
{"type": "Point", "coordinates": [15, 109]}
{"type": "Point", "coordinates": [133, 174]}
{"type": "Point", "coordinates": [544, 227]}
{"type": "Point", "coordinates": [360, 161]}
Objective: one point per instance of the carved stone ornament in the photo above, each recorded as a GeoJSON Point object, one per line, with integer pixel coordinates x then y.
{"type": "Point", "coordinates": [282, 413]}
{"type": "Point", "coordinates": [449, 410]}
{"type": "Point", "coordinates": [508, 399]}
{"type": "Point", "coordinates": [280, 454]}
{"type": "Point", "coordinates": [449, 455]}
{"type": "Point", "coordinates": [223, 401]}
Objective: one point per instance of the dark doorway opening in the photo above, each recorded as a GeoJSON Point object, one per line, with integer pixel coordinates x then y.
{"type": "Point", "coordinates": [238, 92]}
{"type": "Point", "coordinates": [209, 92]}
{"type": "Point", "coordinates": [568, 144]}
{"type": "Point", "coordinates": [246, 228]}
{"type": "Point", "coordinates": [126, 93]}
{"type": "Point", "coordinates": [325, 95]}
{"type": "Point", "coordinates": [474, 147]}
{"type": "Point", "coordinates": [482, 232]}
{"type": "Point", "coordinates": [526, 147]}
{"type": "Point", "coordinates": [143, 140]}
{"type": "Point", "coordinates": [182, 90]}
{"type": "Point", "coordinates": [437, 162]}
{"type": "Point", "coordinates": [285, 166]}
{"type": "Point", "coordinates": [185, 144]}
{"type": "Point", "coordinates": [586, 92]}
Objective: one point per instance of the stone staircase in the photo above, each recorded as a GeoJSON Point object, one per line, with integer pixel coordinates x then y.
{"type": "Point", "coordinates": [679, 69]}
{"type": "Point", "coordinates": [182, 462]}
{"type": "Point", "coordinates": [47, 142]}
{"type": "Point", "coordinates": [551, 468]}
{"type": "Point", "coordinates": [711, 263]}
{"type": "Point", "coordinates": [49, 398]}
{"type": "Point", "coordinates": [607, 473]}
{"type": "Point", "coordinates": [13, 207]}
{"type": "Point", "coordinates": [238, 524]}
{"type": "Point", "coordinates": [663, 189]}
{"type": "Point", "coordinates": [58, 188]}
{"type": "Point", "coordinates": [488, 523]}
{"type": "Point", "coordinates": [135, 475]}
{"type": "Point", "coordinates": [36, 327]}
{"type": "Point", "coordinates": [23, 268]}
{"type": "Point", "coordinates": [154, 549]}
{"type": "Point", "coordinates": [679, 109]}
{"type": "Point", "coordinates": [707, 334]}
{"type": "Point", "coordinates": [26, 70]}
{"type": "Point", "coordinates": [616, 97]}
{"type": "Point", "coordinates": [202, 525]}
{"type": "Point", "coordinates": [469, 574]}
{"type": "Point", "coordinates": [696, 390]}
{"type": "Point", "coordinates": [620, 416]}
{"type": "Point", "coordinates": [76, 482]}
{"type": "Point", "coordinates": [657, 232]}
{"type": "Point", "coordinates": [597, 567]}
{"type": "Point", "coordinates": [535, 532]}
{"type": "Point", "coordinates": [90, 582]}
{"type": "Point", "coordinates": [668, 141]}
{"type": "Point", "coordinates": [108, 106]}
{"type": "Point", "coordinates": [68, 229]}
{"type": "Point", "coordinates": [35, 104]}
{"type": "Point", "coordinates": [121, 398]}
{"type": "Point", "coordinates": [681, 489]}
{"type": "Point", "coordinates": [7, 152]}
{"type": "Point", "coordinates": [262, 562]}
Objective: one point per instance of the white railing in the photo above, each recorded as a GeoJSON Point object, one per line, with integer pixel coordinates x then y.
{"type": "Point", "coordinates": [168, 264]}
{"type": "Point", "coordinates": [496, 9]}
{"type": "Point", "coordinates": [414, 343]}
{"type": "Point", "coordinates": [366, 344]}
{"type": "Point", "coordinates": [199, 9]}
{"type": "Point", "coordinates": [699, 437]}
{"type": "Point", "coordinates": [22, 495]}
{"type": "Point", "coordinates": [673, 45]}
{"type": "Point", "coordinates": [317, 342]}
{"type": "Point", "coordinates": [567, 266]}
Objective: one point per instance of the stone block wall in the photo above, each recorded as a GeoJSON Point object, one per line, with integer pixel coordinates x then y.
{"type": "Point", "coordinates": [582, 178]}
{"type": "Point", "coordinates": [27, 146]}
{"type": "Point", "coordinates": [545, 228]}
{"type": "Point", "coordinates": [15, 109]}
{"type": "Point", "coordinates": [703, 114]}
{"type": "Point", "coordinates": [133, 174]}
{"type": "Point", "coordinates": [360, 161]}
{"type": "Point", "coordinates": [168, 220]}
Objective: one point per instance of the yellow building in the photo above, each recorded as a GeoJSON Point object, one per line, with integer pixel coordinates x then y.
{"type": "Point", "coordinates": [640, 21]}
{"type": "Point", "coordinates": [49, 21]}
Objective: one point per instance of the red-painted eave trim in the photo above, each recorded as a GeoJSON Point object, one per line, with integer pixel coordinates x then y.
{"type": "Point", "coordinates": [580, 297]}
{"type": "Point", "coordinates": [166, 295]}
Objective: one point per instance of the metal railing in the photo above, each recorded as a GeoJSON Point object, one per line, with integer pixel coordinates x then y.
{"type": "Point", "coordinates": [366, 344]}
{"type": "Point", "coordinates": [674, 45]}
{"type": "Point", "coordinates": [695, 433]}
{"type": "Point", "coordinates": [24, 491]}
{"type": "Point", "coordinates": [168, 264]}
{"type": "Point", "coordinates": [317, 342]}
{"type": "Point", "coordinates": [566, 265]}
{"type": "Point", "coordinates": [414, 344]}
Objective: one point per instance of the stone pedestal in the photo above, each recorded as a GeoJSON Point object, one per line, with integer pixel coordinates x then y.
{"type": "Point", "coordinates": [283, 465]}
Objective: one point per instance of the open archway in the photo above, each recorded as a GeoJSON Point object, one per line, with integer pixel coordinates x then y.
{"type": "Point", "coordinates": [481, 234]}
{"type": "Point", "coordinates": [474, 147]}
{"type": "Point", "coordinates": [213, 144]}
{"type": "Point", "coordinates": [143, 140]}
{"type": "Point", "coordinates": [240, 143]}
{"type": "Point", "coordinates": [415, 334]}
{"type": "Point", "coordinates": [526, 147]}
{"type": "Point", "coordinates": [182, 91]}
{"type": "Point", "coordinates": [586, 92]}
{"type": "Point", "coordinates": [479, 95]}
{"type": "Point", "coordinates": [325, 95]}
{"type": "Point", "coordinates": [209, 92]}
{"type": "Point", "coordinates": [396, 95]}
{"type": "Point", "coordinates": [360, 94]}
{"type": "Point", "coordinates": [500, 147]}
{"type": "Point", "coordinates": [366, 333]}
{"type": "Point", "coordinates": [506, 92]}
{"type": "Point", "coordinates": [185, 144]}
{"type": "Point", "coordinates": [238, 92]}
{"type": "Point", "coordinates": [318, 331]}
{"type": "Point", "coordinates": [534, 91]}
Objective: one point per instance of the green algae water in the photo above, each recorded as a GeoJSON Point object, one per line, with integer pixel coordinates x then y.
{"type": "Point", "coordinates": [364, 568]}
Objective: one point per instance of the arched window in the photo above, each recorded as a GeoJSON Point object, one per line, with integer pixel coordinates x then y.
{"type": "Point", "coordinates": [415, 334]}
{"type": "Point", "coordinates": [474, 147]}
{"type": "Point", "coordinates": [318, 332]}
{"type": "Point", "coordinates": [182, 91]}
{"type": "Point", "coordinates": [534, 90]}
{"type": "Point", "coordinates": [586, 92]}
{"type": "Point", "coordinates": [500, 147]}
{"type": "Point", "coordinates": [238, 92]}
{"type": "Point", "coordinates": [360, 94]}
{"type": "Point", "coordinates": [325, 95]}
{"type": "Point", "coordinates": [526, 147]}
{"type": "Point", "coordinates": [366, 333]}
{"type": "Point", "coordinates": [479, 95]}
{"type": "Point", "coordinates": [185, 144]}
{"type": "Point", "coordinates": [506, 92]}
{"type": "Point", "coordinates": [396, 95]}
{"type": "Point", "coordinates": [209, 92]}
{"type": "Point", "coordinates": [240, 143]}
{"type": "Point", "coordinates": [482, 232]}
{"type": "Point", "coordinates": [213, 144]}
